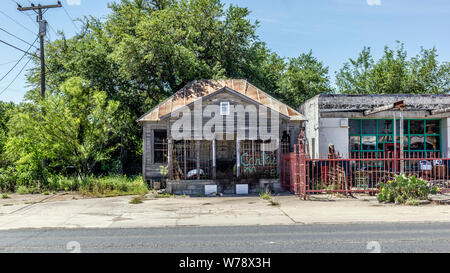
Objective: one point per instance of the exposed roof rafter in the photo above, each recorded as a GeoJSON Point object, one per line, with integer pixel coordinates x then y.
{"type": "Point", "coordinates": [397, 105]}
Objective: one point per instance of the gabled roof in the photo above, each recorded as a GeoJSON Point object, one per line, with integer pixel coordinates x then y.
{"type": "Point", "coordinates": [199, 89]}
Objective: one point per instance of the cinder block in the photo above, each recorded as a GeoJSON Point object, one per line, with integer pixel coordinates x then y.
{"type": "Point", "coordinates": [242, 189]}
{"type": "Point", "coordinates": [211, 189]}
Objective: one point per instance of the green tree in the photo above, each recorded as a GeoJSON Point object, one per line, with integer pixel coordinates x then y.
{"type": "Point", "coordinates": [5, 113]}
{"type": "Point", "coordinates": [427, 75]}
{"type": "Point", "coordinates": [163, 49]}
{"type": "Point", "coordinates": [394, 73]}
{"type": "Point", "coordinates": [69, 128]}
{"type": "Point", "coordinates": [88, 56]}
{"type": "Point", "coordinates": [146, 50]}
{"type": "Point", "coordinates": [354, 78]}
{"type": "Point", "coordinates": [304, 78]}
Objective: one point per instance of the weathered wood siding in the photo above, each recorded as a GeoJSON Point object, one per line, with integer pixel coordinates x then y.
{"type": "Point", "coordinates": [235, 122]}
{"type": "Point", "coordinates": [151, 170]}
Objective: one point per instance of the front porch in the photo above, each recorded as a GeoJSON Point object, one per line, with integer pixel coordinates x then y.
{"type": "Point", "coordinates": [225, 166]}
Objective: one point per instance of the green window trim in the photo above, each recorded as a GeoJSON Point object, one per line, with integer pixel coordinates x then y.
{"type": "Point", "coordinates": [383, 135]}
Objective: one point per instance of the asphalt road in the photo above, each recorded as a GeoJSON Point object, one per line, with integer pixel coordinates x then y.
{"type": "Point", "coordinates": [354, 238]}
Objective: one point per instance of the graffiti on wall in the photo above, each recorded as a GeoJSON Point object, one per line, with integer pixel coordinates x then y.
{"type": "Point", "coordinates": [266, 165]}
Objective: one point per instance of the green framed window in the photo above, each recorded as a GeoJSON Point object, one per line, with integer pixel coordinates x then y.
{"type": "Point", "coordinates": [376, 136]}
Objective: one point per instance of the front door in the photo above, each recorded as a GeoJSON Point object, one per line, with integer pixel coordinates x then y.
{"type": "Point", "coordinates": [226, 159]}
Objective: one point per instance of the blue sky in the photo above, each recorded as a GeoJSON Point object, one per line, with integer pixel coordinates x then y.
{"type": "Point", "coordinates": [334, 29]}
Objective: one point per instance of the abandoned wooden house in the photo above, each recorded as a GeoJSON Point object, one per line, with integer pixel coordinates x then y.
{"type": "Point", "coordinates": [234, 155]}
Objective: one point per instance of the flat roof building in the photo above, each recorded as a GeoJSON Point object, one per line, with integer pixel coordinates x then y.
{"type": "Point", "coordinates": [363, 125]}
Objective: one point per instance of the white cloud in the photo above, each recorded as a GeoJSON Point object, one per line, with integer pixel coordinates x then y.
{"type": "Point", "coordinates": [78, 2]}
{"type": "Point", "coordinates": [373, 2]}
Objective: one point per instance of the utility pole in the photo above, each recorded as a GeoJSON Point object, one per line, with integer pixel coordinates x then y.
{"type": "Point", "coordinates": [40, 10]}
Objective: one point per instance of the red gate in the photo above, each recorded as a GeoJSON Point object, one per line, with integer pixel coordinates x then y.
{"type": "Point", "coordinates": [294, 168]}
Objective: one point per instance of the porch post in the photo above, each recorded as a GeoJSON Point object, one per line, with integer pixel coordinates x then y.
{"type": "Point", "coordinates": [253, 149]}
{"type": "Point", "coordinates": [170, 157]}
{"type": "Point", "coordinates": [279, 151]}
{"type": "Point", "coordinates": [198, 159]}
{"type": "Point", "coordinates": [263, 154]}
{"type": "Point", "coordinates": [279, 159]}
{"type": "Point", "coordinates": [170, 151]}
{"type": "Point", "coordinates": [238, 158]}
{"type": "Point", "coordinates": [214, 157]}
{"type": "Point", "coordinates": [185, 160]}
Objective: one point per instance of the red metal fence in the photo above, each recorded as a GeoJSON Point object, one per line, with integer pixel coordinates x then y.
{"type": "Point", "coordinates": [305, 176]}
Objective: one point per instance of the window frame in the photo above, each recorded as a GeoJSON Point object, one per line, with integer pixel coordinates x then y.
{"type": "Point", "coordinates": [407, 134]}
{"type": "Point", "coordinates": [162, 150]}
{"type": "Point", "coordinates": [228, 105]}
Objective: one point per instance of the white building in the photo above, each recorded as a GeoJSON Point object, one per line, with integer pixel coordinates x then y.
{"type": "Point", "coordinates": [359, 124]}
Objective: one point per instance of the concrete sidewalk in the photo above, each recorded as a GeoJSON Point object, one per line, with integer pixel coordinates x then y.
{"type": "Point", "coordinates": [227, 211]}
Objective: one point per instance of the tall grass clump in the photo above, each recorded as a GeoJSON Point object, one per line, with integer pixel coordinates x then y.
{"type": "Point", "coordinates": [113, 186]}
{"type": "Point", "coordinates": [107, 186]}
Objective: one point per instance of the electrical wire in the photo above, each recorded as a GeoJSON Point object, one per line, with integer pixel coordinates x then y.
{"type": "Point", "coordinates": [31, 19]}
{"type": "Point", "coordinates": [52, 29]}
{"type": "Point", "coordinates": [8, 63]}
{"type": "Point", "coordinates": [23, 56]}
{"type": "Point", "coordinates": [2, 29]}
{"type": "Point", "coordinates": [15, 47]}
{"type": "Point", "coordinates": [20, 72]}
{"type": "Point", "coordinates": [19, 24]}
{"type": "Point", "coordinates": [70, 18]}
{"type": "Point", "coordinates": [28, 15]}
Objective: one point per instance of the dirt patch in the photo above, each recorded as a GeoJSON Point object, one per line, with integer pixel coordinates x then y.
{"type": "Point", "coordinates": [29, 199]}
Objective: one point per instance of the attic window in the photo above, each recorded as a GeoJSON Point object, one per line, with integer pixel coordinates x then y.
{"type": "Point", "coordinates": [225, 108]}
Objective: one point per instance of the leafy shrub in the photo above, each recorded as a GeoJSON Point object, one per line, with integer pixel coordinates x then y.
{"type": "Point", "coordinates": [62, 183]}
{"type": "Point", "coordinates": [8, 179]}
{"type": "Point", "coordinates": [405, 189]}
{"type": "Point", "coordinates": [24, 190]}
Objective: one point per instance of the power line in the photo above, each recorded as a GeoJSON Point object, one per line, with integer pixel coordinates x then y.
{"type": "Point", "coordinates": [23, 56]}
{"type": "Point", "coordinates": [19, 24]}
{"type": "Point", "coordinates": [20, 72]}
{"type": "Point", "coordinates": [15, 47]}
{"type": "Point", "coordinates": [52, 29]}
{"type": "Point", "coordinates": [16, 37]}
{"type": "Point", "coordinates": [8, 63]}
{"type": "Point", "coordinates": [31, 19]}
{"type": "Point", "coordinates": [70, 17]}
